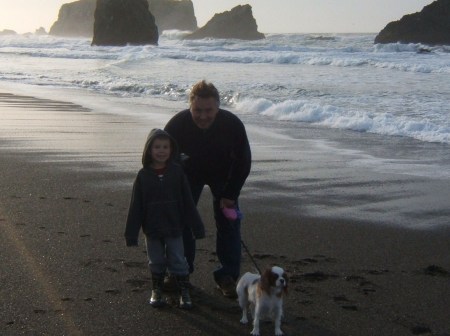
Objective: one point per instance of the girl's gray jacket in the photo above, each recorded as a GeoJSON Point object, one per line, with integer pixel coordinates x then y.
{"type": "Point", "coordinates": [161, 206]}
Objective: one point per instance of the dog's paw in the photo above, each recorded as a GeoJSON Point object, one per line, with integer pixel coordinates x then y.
{"type": "Point", "coordinates": [255, 332]}
{"type": "Point", "coordinates": [244, 320]}
{"type": "Point", "coordinates": [279, 333]}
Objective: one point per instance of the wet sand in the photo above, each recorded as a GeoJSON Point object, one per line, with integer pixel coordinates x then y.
{"type": "Point", "coordinates": [65, 268]}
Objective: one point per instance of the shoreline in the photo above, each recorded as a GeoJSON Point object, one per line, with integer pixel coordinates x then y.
{"type": "Point", "coordinates": [62, 232]}
{"type": "Point", "coordinates": [315, 172]}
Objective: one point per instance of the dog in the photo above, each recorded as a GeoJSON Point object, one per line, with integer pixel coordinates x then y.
{"type": "Point", "coordinates": [263, 294]}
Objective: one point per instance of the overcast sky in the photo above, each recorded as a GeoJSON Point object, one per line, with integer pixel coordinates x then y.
{"type": "Point", "coordinates": [272, 16]}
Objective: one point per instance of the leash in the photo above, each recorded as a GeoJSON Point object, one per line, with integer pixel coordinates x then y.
{"type": "Point", "coordinates": [251, 258]}
{"type": "Point", "coordinates": [238, 214]}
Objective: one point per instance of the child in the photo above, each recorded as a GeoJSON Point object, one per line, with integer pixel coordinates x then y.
{"type": "Point", "coordinates": [162, 205]}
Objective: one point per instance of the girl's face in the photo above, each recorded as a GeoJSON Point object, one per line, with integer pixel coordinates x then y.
{"type": "Point", "coordinates": [160, 152]}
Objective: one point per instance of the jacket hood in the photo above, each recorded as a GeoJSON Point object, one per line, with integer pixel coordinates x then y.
{"type": "Point", "coordinates": [158, 133]}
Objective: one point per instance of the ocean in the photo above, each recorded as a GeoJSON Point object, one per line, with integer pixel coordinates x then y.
{"type": "Point", "coordinates": [330, 107]}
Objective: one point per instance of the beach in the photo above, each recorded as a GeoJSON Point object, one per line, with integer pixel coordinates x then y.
{"type": "Point", "coordinates": [67, 173]}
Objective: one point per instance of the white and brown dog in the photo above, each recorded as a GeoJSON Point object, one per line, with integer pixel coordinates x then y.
{"type": "Point", "coordinates": [264, 295]}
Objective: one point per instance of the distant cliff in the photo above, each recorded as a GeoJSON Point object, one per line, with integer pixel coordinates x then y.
{"type": "Point", "coordinates": [173, 14]}
{"type": "Point", "coordinates": [77, 18]}
{"type": "Point", "coordinates": [430, 26]}
{"type": "Point", "coordinates": [8, 32]}
{"type": "Point", "coordinates": [238, 23]}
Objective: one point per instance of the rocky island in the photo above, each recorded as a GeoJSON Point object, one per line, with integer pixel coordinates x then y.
{"type": "Point", "coordinates": [430, 26]}
{"type": "Point", "coordinates": [238, 23]}
{"type": "Point", "coordinates": [173, 14]}
{"type": "Point", "coordinates": [76, 19]}
{"type": "Point", "coordinates": [123, 22]}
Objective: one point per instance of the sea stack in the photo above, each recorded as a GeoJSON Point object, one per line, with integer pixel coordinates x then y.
{"type": "Point", "coordinates": [238, 23]}
{"type": "Point", "coordinates": [75, 19]}
{"type": "Point", "coordinates": [173, 14]}
{"type": "Point", "coordinates": [430, 26]}
{"type": "Point", "coordinates": [124, 22]}
{"type": "Point", "coordinates": [5, 32]}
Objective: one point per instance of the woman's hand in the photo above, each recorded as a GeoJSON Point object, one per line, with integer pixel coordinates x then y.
{"type": "Point", "coordinates": [227, 203]}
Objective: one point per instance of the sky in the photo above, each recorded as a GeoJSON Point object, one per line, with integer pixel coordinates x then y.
{"type": "Point", "coordinates": [272, 16]}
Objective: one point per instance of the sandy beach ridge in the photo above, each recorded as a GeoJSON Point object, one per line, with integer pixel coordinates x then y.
{"type": "Point", "coordinates": [65, 269]}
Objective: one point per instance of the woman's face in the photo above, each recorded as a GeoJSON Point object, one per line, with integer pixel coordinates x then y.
{"type": "Point", "coordinates": [204, 111]}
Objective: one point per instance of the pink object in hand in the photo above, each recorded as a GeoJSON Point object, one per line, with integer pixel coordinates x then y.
{"type": "Point", "coordinates": [230, 213]}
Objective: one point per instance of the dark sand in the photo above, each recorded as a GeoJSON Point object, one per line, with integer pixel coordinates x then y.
{"type": "Point", "coordinates": [65, 269]}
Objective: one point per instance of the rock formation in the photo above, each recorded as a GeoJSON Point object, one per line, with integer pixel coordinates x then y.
{"type": "Point", "coordinates": [7, 32]}
{"type": "Point", "coordinates": [173, 14]}
{"type": "Point", "coordinates": [122, 22]}
{"type": "Point", "coordinates": [40, 31]}
{"type": "Point", "coordinates": [430, 26]}
{"type": "Point", "coordinates": [75, 19]}
{"type": "Point", "coordinates": [238, 23]}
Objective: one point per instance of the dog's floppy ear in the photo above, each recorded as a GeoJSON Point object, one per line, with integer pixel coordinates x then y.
{"type": "Point", "coordinates": [265, 280]}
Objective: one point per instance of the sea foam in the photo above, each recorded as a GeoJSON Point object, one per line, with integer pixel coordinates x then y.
{"type": "Point", "coordinates": [336, 117]}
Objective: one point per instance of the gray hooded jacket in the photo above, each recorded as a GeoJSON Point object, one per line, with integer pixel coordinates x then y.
{"type": "Point", "coordinates": [161, 206]}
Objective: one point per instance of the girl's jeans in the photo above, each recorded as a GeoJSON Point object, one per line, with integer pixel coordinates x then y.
{"type": "Point", "coordinates": [166, 254]}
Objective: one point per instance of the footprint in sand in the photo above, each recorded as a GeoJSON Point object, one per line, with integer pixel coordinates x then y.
{"type": "Point", "coordinates": [352, 308]}
{"type": "Point", "coordinates": [139, 283]}
{"type": "Point", "coordinates": [358, 279]}
{"type": "Point", "coordinates": [69, 198]}
{"type": "Point", "coordinates": [317, 276]}
{"type": "Point", "coordinates": [340, 299]}
{"type": "Point", "coordinates": [261, 256]}
{"type": "Point", "coordinates": [39, 311]}
{"type": "Point", "coordinates": [314, 260]}
{"type": "Point", "coordinates": [135, 264]}
{"type": "Point", "coordinates": [435, 270]}
{"type": "Point", "coordinates": [345, 303]}
{"type": "Point", "coordinates": [91, 262]}
{"type": "Point", "coordinates": [376, 272]}
{"type": "Point", "coordinates": [305, 261]}
{"type": "Point", "coordinates": [365, 285]}
{"type": "Point", "coordinates": [421, 330]}
{"type": "Point", "coordinates": [112, 291]}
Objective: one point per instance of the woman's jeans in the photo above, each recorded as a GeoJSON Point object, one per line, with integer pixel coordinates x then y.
{"type": "Point", "coordinates": [228, 237]}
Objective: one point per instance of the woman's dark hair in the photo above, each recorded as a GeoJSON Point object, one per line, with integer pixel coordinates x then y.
{"type": "Point", "coordinates": [203, 89]}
